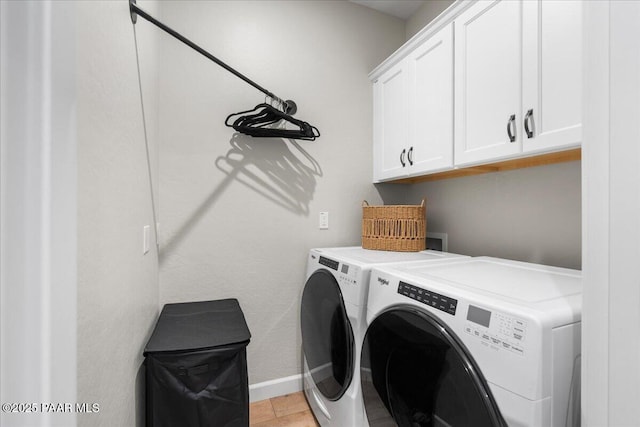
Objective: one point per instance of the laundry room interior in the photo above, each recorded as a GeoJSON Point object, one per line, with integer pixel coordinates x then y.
{"type": "Point", "coordinates": [156, 201]}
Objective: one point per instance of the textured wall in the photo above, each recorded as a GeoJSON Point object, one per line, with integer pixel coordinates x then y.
{"type": "Point", "coordinates": [239, 215]}
{"type": "Point", "coordinates": [117, 285]}
{"type": "Point", "coordinates": [531, 214]}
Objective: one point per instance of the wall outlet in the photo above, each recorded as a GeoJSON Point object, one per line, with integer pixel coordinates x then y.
{"type": "Point", "coordinates": [438, 241]}
{"type": "Point", "coordinates": [323, 220]}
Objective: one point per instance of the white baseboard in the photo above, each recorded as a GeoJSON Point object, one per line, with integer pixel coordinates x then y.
{"type": "Point", "coordinates": [277, 387]}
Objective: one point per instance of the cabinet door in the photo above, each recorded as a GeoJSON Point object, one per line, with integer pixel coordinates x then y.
{"type": "Point", "coordinates": [390, 123]}
{"type": "Point", "coordinates": [431, 104]}
{"type": "Point", "coordinates": [488, 81]}
{"type": "Point", "coordinates": [552, 70]}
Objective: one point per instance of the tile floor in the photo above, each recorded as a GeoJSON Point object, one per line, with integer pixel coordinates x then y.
{"type": "Point", "coordinates": [290, 410]}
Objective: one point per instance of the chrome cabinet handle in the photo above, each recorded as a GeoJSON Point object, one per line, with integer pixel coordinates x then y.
{"type": "Point", "coordinates": [511, 123]}
{"type": "Point", "coordinates": [528, 118]}
{"type": "Point", "coordinates": [402, 157]}
{"type": "Point", "coordinates": [410, 156]}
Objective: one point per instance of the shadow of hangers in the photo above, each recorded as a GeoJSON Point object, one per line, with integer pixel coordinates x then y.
{"type": "Point", "coordinates": [279, 170]}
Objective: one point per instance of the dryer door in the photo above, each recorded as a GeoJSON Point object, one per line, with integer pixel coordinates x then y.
{"type": "Point", "coordinates": [416, 372]}
{"type": "Point", "coordinates": [327, 338]}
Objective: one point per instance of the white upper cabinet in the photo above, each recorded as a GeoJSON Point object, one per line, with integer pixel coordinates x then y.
{"type": "Point", "coordinates": [413, 111]}
{"type": "Point", "coordinates": [552, 74]}
{"type": "Point", "coordinates": [488, 82]}
{"type": "Point", "coordinates": [390, 133]}
{"type": "Point", "coordinates": [431, 104]}
{"type": "Point", "coordinates": [518, 79]}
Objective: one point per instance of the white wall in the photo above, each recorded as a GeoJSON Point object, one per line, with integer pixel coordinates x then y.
{"type": "Point", "coordinates": [117, 284]}
{"type": "Point", "coordinates": [239, 215]}
{"type": "Point", "coordinates": [531, 214]}
{"type": "Point", "coordinates": [611, 202]}
{"type": "Point", "coordinates": [37, 210]}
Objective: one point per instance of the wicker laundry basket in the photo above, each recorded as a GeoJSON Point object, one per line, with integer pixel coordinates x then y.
{"type": "Point", "coordinates": [400, 228]}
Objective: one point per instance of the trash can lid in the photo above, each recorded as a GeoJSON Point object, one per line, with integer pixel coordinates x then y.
{"type": "Point", "coordinates": [198, 325]}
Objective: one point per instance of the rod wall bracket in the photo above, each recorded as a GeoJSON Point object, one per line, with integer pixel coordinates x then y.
{"type": "Point", "coordinates": [132, 11]}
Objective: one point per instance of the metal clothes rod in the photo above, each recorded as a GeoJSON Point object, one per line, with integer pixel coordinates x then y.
{"type": "Point", "coordinates": [289, 106]}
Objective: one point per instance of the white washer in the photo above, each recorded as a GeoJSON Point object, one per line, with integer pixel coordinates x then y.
{"type": "Point", "coordinates": [481, 341]}
{"type": "Point", "coordinates": [332, 321]}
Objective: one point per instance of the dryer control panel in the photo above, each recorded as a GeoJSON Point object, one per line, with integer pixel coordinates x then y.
{"type": "Point", "coordinates": [328, 262]}
{"type": "Point", "coordinates": [348, 274]}
{"type": "Point", "coordinates": [497, 330]}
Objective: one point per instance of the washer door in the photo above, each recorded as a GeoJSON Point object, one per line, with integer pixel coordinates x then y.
{"type": "Point", "coordinates": [327, 338]}
{"type": "Point", "coordinates": [416, 372]}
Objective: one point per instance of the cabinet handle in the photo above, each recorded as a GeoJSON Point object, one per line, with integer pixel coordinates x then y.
{"type": "Point", "coordinates": [510, 123]}
{"type": "Point", "coordinates": [402, 157]}
{"type": "Point", "coordinates": [410, 156]}
{"type": "Point", "coordinates": [528, 118]}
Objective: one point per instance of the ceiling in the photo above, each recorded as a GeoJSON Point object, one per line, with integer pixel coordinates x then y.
{"type": "Point", "coordinates": [402, 9]}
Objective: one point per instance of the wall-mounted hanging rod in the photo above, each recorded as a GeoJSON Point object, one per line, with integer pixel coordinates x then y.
{"type": "Point", "coordinates": [288, 106]}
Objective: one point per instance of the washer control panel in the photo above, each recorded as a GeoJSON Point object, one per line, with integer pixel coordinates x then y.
{"type": "Point", "coordinates": [430, 298]}
{"type": "Point", "coordinates": [498, 331]}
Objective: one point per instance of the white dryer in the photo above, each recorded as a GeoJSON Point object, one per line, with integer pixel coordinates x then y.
{"type": "Point", "coordinates": [332, 320]}
{"type": "Point", "coordinates": [475, 342]}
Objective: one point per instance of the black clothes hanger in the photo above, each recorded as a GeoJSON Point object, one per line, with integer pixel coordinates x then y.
{"type": "Point", "coordinates": [259, 121]}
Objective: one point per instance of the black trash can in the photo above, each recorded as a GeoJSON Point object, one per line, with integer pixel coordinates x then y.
{"type": "Point", "coordinates": [196, 366]}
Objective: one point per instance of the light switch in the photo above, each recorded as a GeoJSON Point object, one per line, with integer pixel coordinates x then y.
{"type": "Point", "coordinates": [324, 221]}
{"type": "Point", "coordinates": [146, 239]}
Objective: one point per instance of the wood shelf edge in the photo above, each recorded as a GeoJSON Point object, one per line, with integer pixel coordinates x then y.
{"type": "Point", "coordinates": [520, 163]}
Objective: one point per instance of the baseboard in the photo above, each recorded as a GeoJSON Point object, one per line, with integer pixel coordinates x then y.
{"type": "Point", "coordinates": [277, 387]}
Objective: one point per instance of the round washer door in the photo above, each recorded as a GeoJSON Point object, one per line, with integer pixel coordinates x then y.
{"type": "Point", "coordinates": [416, 372]}
{"type": "Point", "coordinates": [327, 338]}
